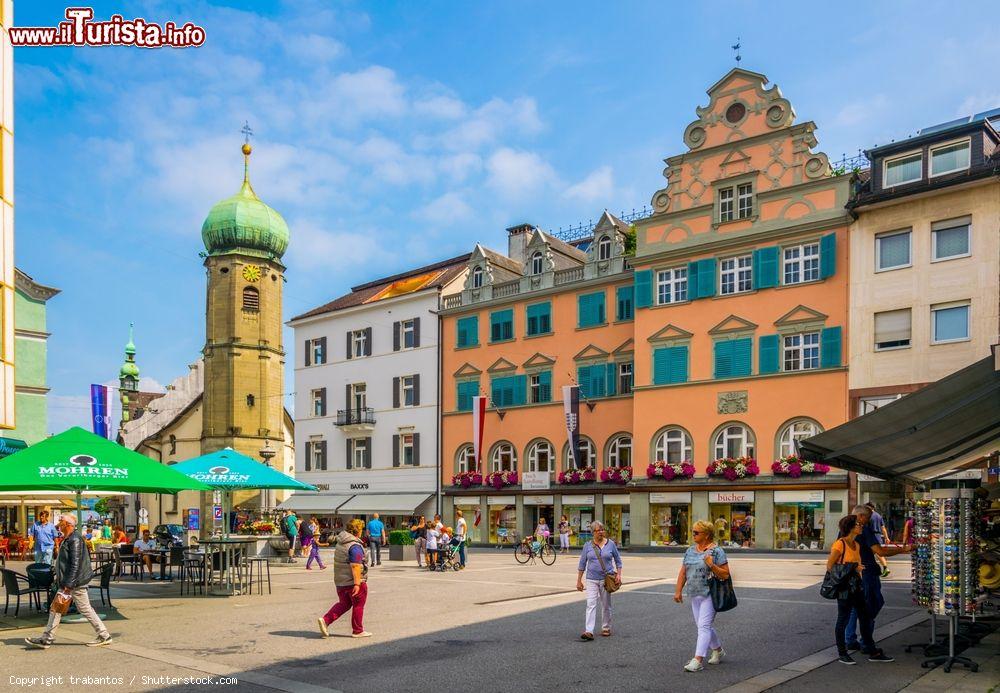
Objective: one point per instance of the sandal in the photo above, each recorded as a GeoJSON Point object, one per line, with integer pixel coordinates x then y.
{"type": "Point", "coordinates": [587, 636]}
{"type": "Point", "coordinates": [605, 632]}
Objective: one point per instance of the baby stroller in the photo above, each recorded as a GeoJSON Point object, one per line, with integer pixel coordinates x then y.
{"type": "Point", "coordinates": [448, 558]}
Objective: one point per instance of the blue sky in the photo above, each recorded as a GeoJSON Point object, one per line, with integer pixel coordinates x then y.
{"type": "Point", "coordinates": [392, 134]}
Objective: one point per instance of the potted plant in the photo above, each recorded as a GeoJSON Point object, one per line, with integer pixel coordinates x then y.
{"type": "Point", "coordinates": [733, 468]}
{"type": "Point", "coordinates": [668, 471]}
{"type": "Point", "coordinates": [500, 479]}
{"type": "Point", "coordinates": [401, 546]}
{"type": "Point", "coordinates": [616, 475]}
{"type": "Point", "coordinates": [577, 476]}
{"type": "Point", "coordinates": [467, 479]}
{"type": "Point", "coordinates": [794, 467]}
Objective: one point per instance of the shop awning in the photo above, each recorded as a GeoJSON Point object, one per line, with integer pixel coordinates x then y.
{"type": "Point", "coordinates": [319, 503]}
{"type": "Point", "coordinates": [8, 446]}
{"type": "Point", "coordinates": [387, 503]}
{"type": "Point", "coordinates": [946, 426]}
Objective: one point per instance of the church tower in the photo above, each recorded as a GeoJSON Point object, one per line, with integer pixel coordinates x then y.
{"type": "Point", "coordinates": [244, 357]}
{"type": "Point", "coordinates": [128, 380]}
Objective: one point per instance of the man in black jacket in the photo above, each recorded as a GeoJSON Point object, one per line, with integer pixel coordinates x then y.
{"type": "Point", "coordinates": [73, 572]}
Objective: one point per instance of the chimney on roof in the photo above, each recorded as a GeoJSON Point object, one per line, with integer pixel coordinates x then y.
{"type": "Point", "coordinates": [517, 241]}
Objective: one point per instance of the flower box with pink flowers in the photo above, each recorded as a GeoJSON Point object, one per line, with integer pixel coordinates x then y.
{"type": "Point", "coordinates": [577, 476]}
{"type": "Point", "coordinates": [794, 466]}
{"type": "Point", "coordinates": [733, 468]}
{"type": "Point", "coordinates": [616, 475]}
{"type": "Point", "coordinates": [668, 471]}
{"type": "Point", "coordinates": [500, 479]}
{"type": "Point", "coordinates": [467, 479]}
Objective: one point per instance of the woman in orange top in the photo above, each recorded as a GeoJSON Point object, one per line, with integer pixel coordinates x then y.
{"type": "Point", "coordinates": [119, 536]}
{"type": "Point", "coordinates": [845, 550]}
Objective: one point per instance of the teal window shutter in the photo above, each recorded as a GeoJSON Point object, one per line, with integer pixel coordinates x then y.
{"type": "Point", "coordinates": [520, 385]}
{"type": "Point", "coordinates": [770, 353]}
{"type": "Point", "coordinates": [496, 391]}
{"type": "Point", "coordinates": [612, 379]}
{"type": "Point", "coordinates": [598, 384]}
{"type": "Point", "coordinates": [706, 278]}
{"type": "Point", "coordinates": [583, 380]}
{"type": "Point", "coordinates": [828, 256]}
{"type": "Point", "coordinates": [539, 318]}
{"type": "Point", "coordinates": [765, 267]}
{"type": "Point", "coordinates": [693, 281]}
{"type": "Point", "coordinates": [466, 391]}
{"type": "Point", "coordinates": [661, 366]}
{"type": "Point", "coordinates": [829, 348]}
{"type": "Point", "coordinates": [545, 386]}
{"type": "Point", "coordinates": [625, 296]}
{"type": "Point", "coordinates": [643, 288]}
{"type": "Point", "coordinates": [742, 356]}
{"type": "Point", "coordinates": [723, 358]}
{"type": "Point", "coordinates": [468, 331]}
{"type": "Point", "coordinates": [501, 325]}
{"type": "Point", "coordinates": [590, 309]}
{"type": "Point", "coordinates": [582, 310]}
{"type": "Point", "coordinates": [678, 372]}
{"type": "Point", "coordinates": [496, 331]}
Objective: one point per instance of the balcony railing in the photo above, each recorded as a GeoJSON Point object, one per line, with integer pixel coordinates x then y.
{"type": "Point", "coordinates": [453, 301]}
{"type": "Point", "coordinates": [565, 276]}
{"type": "Point", "coordinates": [353, 417]}
{"type": "Point", "coordinates": [506, 289]}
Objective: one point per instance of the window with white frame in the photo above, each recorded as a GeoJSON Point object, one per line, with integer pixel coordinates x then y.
{"type": "Point", "coordinates": [736, 275]}
{"type": "Point", "coordinates": [409, 329]}
{"type": "Point", "coordinates": [318, 351]}
{"type": "Point", "coordinates": [892, 329]}
{"type": "Point", "coordinates": [892, 250]}
{"type": "Point", "coordinates": [604, 248]}
{"type": "Point", "coordinates": [540, 456]}
{"type": "Point", "coordinates": [735, 440]}
{"type": "Point", "coordinates": [801, 351]}
{"type": "Point", "coordinates": [793, 433]}
{"type": "Point", "coordinates": [359, 396]}
{"type": "Point", "coordinates": [359, 340]}
{"type": "Point", "coordinates": [744, 201]}
{"type": "Point", "coordinates": [319, 402]}
{"type": "Point", "coordinates": [673, 445]}
{"type": "Point", "coordinates": [949, 158]}
{"type": "Point", "coordinates": [801, 263]}
{"type": "Point", "coordinates": [903, 169]}
{"type": "Point", "coordinates": [359, 451]}
{"type": "Point", "coordinates": [503, 459]}
{"type": "Point", "coordinates": [407, 390]}
{"type": "Point", "coordinates": [950, 239]}
{"type": "Point", "coordinates": [477, 277]}
{"type": "Point", "coordinates": [537, 263]}
{"type": "Point", "coordinates": [671, 285]}
{"type": "Point", "coordinates": [465, 461]}
{"type": "Point", "coordinates": [866, 405]}
{"type": "Point", "coordinates": [726, 204]}
{"type": "Point", "coordinates": [626, 377]}
{"type": "Point", "coordinates": [535, 389]}
{"type": "Point", "coordinates": [620, 452]}
{"type": "Point", "coordinates": [586, 455]}
{"type": "Point", "coordinates": [406, 449]}
{"type": "Point", "coordinates": [317, 450]}
{"type": "Point", "coordinates": [950, 322]}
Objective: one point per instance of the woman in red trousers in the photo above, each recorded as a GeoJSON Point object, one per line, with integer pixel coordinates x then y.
{"type": "Point", "coordinates": [350, 576]}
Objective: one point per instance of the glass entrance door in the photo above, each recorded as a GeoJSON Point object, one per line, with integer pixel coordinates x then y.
{"type": "Point", "coordinates": [617, 523]}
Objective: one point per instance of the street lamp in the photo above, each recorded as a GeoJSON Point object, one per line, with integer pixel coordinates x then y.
{"type": "Point", "coordinates": [267, 454]}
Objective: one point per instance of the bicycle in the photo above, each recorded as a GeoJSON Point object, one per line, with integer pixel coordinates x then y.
{"type": "Point", "coordinates": [525, 551]}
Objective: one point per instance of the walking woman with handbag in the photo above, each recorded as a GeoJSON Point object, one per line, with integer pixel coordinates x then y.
{"type": "Point", "coordinates": [702, 560]}
{"type": "Point", "coordinates": [599, 574]}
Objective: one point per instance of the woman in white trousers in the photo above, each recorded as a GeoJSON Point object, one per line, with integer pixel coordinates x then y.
{"type": "Point", "coordinates": [598, 558]}
{"type": "Point", "coordinates": [701, 560]}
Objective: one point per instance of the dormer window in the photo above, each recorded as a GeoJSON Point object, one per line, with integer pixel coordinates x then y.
{"type": "Point", "coordinates": [477, 277]}
{"type": "Point", "coordinates": [536, 262]}
{"type": "Point", "coordinates": [736, 202]}
{"type": "Point", "coordinates": [903, 169]}
{"type": "Point", "coordinates": [949, 158]}
{"type": "Point", "coordinates": [604, 248]}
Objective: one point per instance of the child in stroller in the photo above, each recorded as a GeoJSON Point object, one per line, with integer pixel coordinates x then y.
{"type": "Point", "coordinates": [448, 558]}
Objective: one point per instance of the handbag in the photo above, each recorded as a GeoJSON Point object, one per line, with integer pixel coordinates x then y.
{"type": "Point", "coordinates": [610, 584]}
{"type": "Point", "coordinates": [722, 593]}
{"type": "Point", "coordinates": [838, 582]}
{"type": "Point", "coordinates": [60, 602]}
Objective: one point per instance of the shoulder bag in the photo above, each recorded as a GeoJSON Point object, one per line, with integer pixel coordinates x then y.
{"type": "Point", "coordinates": [610, 583]}
{"type": "Point", "coordinates": [837, 581]}
{"type": "Point", "coordinates": [722, 593]}
{"type": "Point", "coordinates": [60, 602]}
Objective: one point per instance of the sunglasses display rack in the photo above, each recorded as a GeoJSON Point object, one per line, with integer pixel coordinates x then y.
{"type": "Point", "coordinates": [924, 527]}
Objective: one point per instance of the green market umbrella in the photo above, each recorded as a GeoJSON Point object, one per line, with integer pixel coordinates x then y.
{"type": "Point", "coordinates": [77, 460]}
{"type": "Point", "coordinates": [227, 470]}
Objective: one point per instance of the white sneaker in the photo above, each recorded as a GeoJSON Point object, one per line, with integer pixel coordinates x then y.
{"type": "Point", "coordinates": [322, 627]}
{"type": "Point", "coordinates": [362, 634]}
{"type": "Point", "coordinates": [716, 656]}
{"type": "Point", "coordinates": [693, 665]}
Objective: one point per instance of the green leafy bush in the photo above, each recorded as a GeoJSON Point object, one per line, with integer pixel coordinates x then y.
{"type": "Point", "coordinates": [400, 537]}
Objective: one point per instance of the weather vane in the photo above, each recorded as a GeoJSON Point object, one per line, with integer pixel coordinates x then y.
{"type": "Point", "coordinates": [736, 50]}
{"type": "Point", "coordinates": [247, 132]}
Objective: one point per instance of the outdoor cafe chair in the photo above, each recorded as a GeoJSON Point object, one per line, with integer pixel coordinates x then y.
{"type": "Point", "coordinates": [194, 566]}
{"type": "Point", "coordinates": [260, 564]}
{"type": "Point", "coordinates": [17, 585]}
{"type": "Point", "coordinates": [103, 585]}
{"type": "Point", "coordinates": [126, 557]}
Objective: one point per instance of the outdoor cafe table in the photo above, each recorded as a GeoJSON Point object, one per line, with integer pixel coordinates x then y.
{"type": "Point", "coordinates": [226, 548]}
{"type": "Point", "coordinates": [163, 554]}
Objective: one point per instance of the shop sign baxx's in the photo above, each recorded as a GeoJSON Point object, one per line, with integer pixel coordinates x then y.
{"type": "Point", "coordinates": [82, 466]}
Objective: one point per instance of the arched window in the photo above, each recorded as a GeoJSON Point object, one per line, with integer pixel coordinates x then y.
{"type": "Point", "coordinates": [503, 459]}
{"type": "Point", "coordinates": [465, 460]}
{"type": "Point", "coordinates": [586, 455]}
{"type": "Point", "coordinates": [536, 262]}
{"type": "Point", "coordinates": [620, 452]}
{"type": "Point", "coordinates": [477, 277]}
{"type": "Point", "coordinates": [251, 298]}
{"type": "Point", "coordinates": [604, 248]}
{"type": "Point", "coordinates": [734, 440]}
{"type": "Point", "coordinates": [673, 445]}
{"type": "Point", "coordinates": [540, 457]}
{"type": "Point", "coordinates": [793, 432]}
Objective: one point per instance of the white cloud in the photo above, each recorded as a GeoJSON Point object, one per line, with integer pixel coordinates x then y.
{"type": "Point", "coordinates": [373, 91]}
{"type": "Point", "coordinates": [598, 186]}
{"type": "Point", "coordinates": [458, 167]}
{"type": "Point", "coordinates": [316, 248]}
{"type": "Point", "coordinates": [445, 107]}
{"type": "Point", "coordinates": [314, 48]}
{"type": "Point", "coordinates": [447, 208]}
{"type": "Point", "coordinates": [857, 112]}
{"type": "Point", "coordinates": [518, 173]}
{"type": "Point", "coordinates": [493, 119]}
{"type": "Point", "coordinates": [66, 411]}
{"type": "Point", "coordinates": [977, 103]}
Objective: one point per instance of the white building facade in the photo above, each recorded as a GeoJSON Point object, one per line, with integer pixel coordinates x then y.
{"type": "Point", "coordinates": [367, 399]}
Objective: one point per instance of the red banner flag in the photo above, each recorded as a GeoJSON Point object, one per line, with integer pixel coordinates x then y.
{"type": "Point", "coordinates": [478, 423]}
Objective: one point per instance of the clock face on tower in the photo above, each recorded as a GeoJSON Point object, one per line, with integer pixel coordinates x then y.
{"type": "Point", "coordinates": [251, 273]}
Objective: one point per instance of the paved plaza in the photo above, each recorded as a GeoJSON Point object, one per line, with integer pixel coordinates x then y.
{"type": "Point", "coordinates": [497, 626]}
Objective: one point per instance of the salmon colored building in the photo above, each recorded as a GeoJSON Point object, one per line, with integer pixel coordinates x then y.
{"type": "Point", "coordinates": [711, 335]}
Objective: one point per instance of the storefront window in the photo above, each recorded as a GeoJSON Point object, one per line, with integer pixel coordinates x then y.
{"type": "Point", "coordinates": [735, 524]}
{"type": "Point", "coordinates": [799, 525]}
{"type": "Point", "coordinates": [502, 517]}
{"type": "Point", "coordinates": [475, 534]}
{"type": "Point", "coordinates": [617, 523]}
{"type": "Point", "coordinates": [580, 517]}
{"type": "Point", "coordinates": [669, 525]}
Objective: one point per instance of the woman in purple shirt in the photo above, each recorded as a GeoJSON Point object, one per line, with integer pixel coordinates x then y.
{"type": "Point", "coordinates": [590, 577]}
